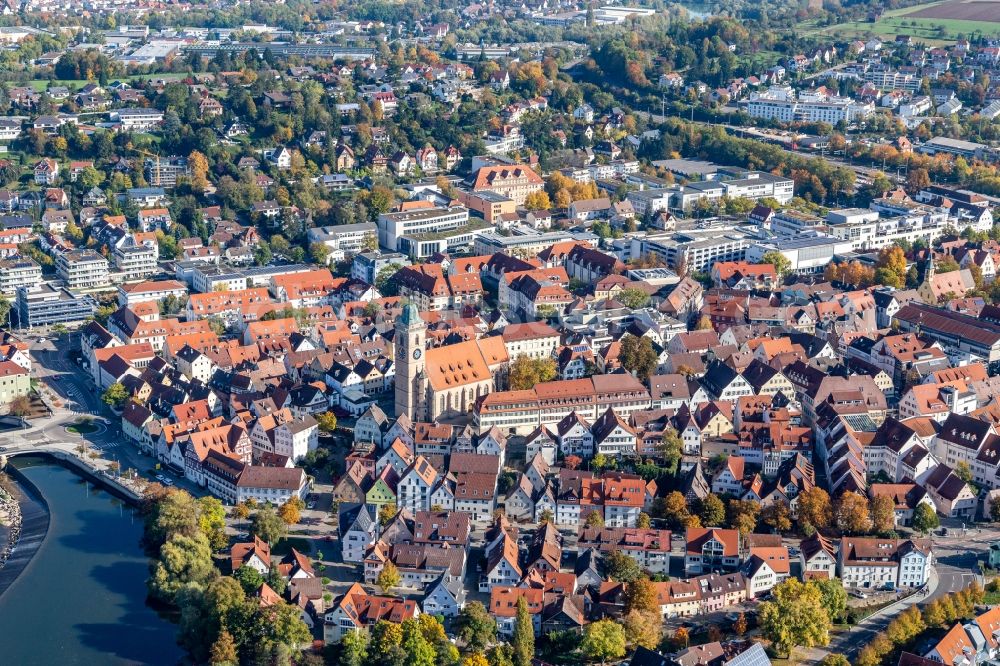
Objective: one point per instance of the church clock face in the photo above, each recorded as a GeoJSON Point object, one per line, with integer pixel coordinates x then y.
{"type": "Point", "coordinates": [416, 354]}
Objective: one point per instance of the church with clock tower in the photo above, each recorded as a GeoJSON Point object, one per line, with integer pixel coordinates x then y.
{"type": "Point", "coordinates": [442, 381]}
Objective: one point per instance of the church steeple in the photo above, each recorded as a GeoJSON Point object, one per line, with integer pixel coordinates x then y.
{"type": "Point", "coordinates": [929, 268]}
{"type": "Point", "coordinates": [410, 344]}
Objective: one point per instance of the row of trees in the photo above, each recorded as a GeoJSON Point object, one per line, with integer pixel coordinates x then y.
{"type": "Point", "coordinates": [851, 513]}
{"type": "Point", "coordinates": [904, 630]}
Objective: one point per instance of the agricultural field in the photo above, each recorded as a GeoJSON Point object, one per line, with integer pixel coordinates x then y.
{"type": "Point", "coordinates": [933, 23]}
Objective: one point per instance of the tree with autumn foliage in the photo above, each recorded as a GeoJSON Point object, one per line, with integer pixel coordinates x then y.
{"type": "Point", "coordinates": [815, 509]}
{"type": "Point", "coordinates": [853, 515]}
{"type": "Point", "coordinates": [891, 267]}
{"type": "Point", "coordinates": [538, 201]}
{"type": "Point", "coordinates": [795, 617]}
{"type": "Point", "coordinates": [198, 166]}
{"type": "Point", "coordinates": [883, 513]}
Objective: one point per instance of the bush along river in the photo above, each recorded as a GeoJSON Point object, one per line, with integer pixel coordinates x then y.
{"type": "Point", "coordinates": [74, 588]}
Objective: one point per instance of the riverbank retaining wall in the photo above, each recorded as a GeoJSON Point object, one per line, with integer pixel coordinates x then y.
{"type": "Point", "coordinates": [34, 526]}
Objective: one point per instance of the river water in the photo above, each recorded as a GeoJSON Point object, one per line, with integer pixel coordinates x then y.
{"type": "Point", "coordinates": [81, 598]}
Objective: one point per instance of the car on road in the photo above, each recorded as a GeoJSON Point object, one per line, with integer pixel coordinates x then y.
{"type": "Point", "coordinates": [311, 505]}
{"type": "Point", "coordinates": [159, 477]}
{"type": "Point", "coordinates": [243, 535]}
{"type": "Point", "coordinates": [168, 482]}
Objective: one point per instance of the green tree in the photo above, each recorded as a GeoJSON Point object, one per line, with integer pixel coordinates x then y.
{"type": "Point", "coordinates": [389, 578]}
{"type": "Point", "coordinates": [835, 660]}
{"type": "Point", "coordinates": [638, 356]}
{"type": "Point", "coordinates": [212, 522]}
{"type": "Point", "coordinates": [327, 422]}
{"type": "Point", "coordinates": [476, 626]}
{"type": "Point", "coordinates": [594, 519]}
{"type": "Point", "coordinates": [384, 282]}
{"type": "Point", "coordinates": [603, 640]}
{"type": "Point", "coordinates": [353, 649]}
{"type": "Point", "coordinates": [319, 253]}
{"type": "Point", "coordinates": [925, 518]}
{"type": "Point", "coordinates": [183, 559]}
{"type": "Point", "coordinates": [500, 655]}
{"type": "Point", "coordinates": [781, 263]}
{"type": "Point", "coordinates": [963, 471]}
{"type": "Point", "coordinates": [387, 642]}
{"type": "Point", "coordinates": [526, 372]}
{"type": "Point", "coordinates": [633, 298]}
{"type": "Point", "coordinates": [671, 450]}
{"type": "Point", "coordinates": [116, 396]}
{"type": "Point", "coordinates": [795, 617]}
{"type": "Point", "coordinates": [834, 597]}
{"type": "Point", "coordinates": [284, 626]}
{"type": "Point", "coordinates": [249, 579]}
{"type": "Point", "coordinates": [415, 646]}
{"type": "Point", "coordinates": [268, 525]}
{"type": "Point", "coordinates": [523, 640]}
{"type": "Point", "coordinates": [713, 512]}
{"type": "Point", "coordinates": [275, 580]}
{"type": "Point", "coordinates": [174, 512]}
{"type": "Point", "coordinates": [621, 567]}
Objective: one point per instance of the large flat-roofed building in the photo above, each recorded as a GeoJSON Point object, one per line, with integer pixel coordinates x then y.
{"type": "Point", "coordinates": [866, 230]}
{"type": "Point", "coordinates": [136, 260]}
{"type": "Point", "coordinates": [16, 273]}
{"type": "Point", "coordinates": [48, 305]}
{"type": "Point", "coordinates": [697, 249]}
{"type": "Point", "coordinates": [83, 269]}
{"type": "Point", "coordinates": [807, 254]}
{"type": "Point", "coordinates": [428, 243]}
{"type": "Point", "coordinates": [722, 182]}
{"type": "Point", "coordinates": [205, 278]}
{"type": "Point", "coordinates": [260, 276]}
{"type": "Point", "coordinates": [778, 105]}
{"type": "Point", "coordinates": [150, 291]}
{"type": "Point", "coordinates": [367, 265]}
{"type": "Point", "coordinates": [491, 242]}
{"type": "Point", "coordinates": [392, 226]}
{"type": "Point", "coordinates": [137, 119]}
{"type": "Point", "coordinates": [343, 239]}
{"type": "Point", "coordinates": [942, 144]}
{"type": "Point", "coordinates": [490, 205]}
{"type": "Point", "coordinates": [792, 222]}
